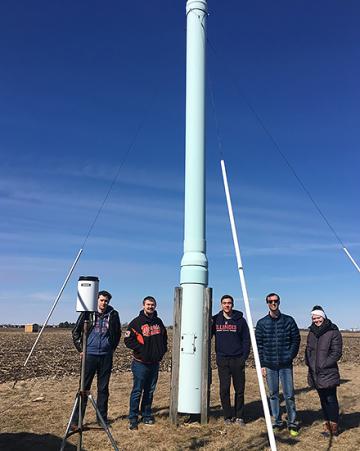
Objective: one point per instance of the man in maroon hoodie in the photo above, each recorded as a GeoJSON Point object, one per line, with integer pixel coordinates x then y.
{"type": "Point", "coordinates": [146, 335]}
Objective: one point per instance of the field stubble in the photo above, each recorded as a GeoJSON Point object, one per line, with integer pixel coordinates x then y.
{"type": "Point", "coordinates": [34, 414]}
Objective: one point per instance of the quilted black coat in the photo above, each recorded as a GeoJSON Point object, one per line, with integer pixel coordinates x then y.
{"type": "Point", "coordinates": [321, 356]}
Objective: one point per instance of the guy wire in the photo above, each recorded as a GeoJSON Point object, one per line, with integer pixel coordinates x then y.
{"type": "Point", "coordinates": [217, 127]}
{"type": "Point", "coordinates": [129, 149]}
{"type": "Point", "coordinates": [277, 147]}
{"type": "Point", "coordinates": [122, 162]}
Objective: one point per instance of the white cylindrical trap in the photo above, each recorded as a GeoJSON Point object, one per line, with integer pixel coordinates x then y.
{"type": "Point", "coordinates": [87, 294]}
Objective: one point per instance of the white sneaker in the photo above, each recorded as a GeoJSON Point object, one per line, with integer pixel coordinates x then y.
{"type": "Point", "coordinates": [240, 422]}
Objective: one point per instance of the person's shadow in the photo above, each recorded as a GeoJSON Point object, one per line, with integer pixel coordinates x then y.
{"type": "Point", "coordinates": [26, 441]}
{"type": "Point", "coordinates": [346, 421]}
{"type": "Point", "coordinates": [254, 411]}
{"type": "Point", "coordinates": [349, 420]}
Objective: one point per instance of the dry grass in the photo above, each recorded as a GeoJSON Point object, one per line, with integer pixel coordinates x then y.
{"type": "Point", "coordinates": [34, 416]}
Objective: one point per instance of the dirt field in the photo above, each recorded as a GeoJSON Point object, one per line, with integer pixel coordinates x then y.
{"type": "Point", "coordinates": [34, 414]}
{"type": "Point", "coordinates": [55, 354]}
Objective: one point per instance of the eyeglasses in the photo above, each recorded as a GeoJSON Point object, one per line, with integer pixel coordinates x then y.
{"type": "Point", "coordinates": [273, 302]}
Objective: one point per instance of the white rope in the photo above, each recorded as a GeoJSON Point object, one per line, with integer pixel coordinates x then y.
{"type": "Point", "coordinates": [351, 259]}
{"type": "Point", "coordinates": [248, 313]}
{"type": "Point", "coordinates": [54, 305]}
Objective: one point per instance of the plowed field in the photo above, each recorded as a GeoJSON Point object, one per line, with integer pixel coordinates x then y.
{"type": "Point", "coordinates": [34, 414]}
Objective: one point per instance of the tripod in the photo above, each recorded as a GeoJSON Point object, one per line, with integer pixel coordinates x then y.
{"type": "Point", "coordinates": [80, 400]}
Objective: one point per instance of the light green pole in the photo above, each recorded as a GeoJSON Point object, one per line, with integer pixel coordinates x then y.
{"type": "Point", "coordinates": [194, 272]}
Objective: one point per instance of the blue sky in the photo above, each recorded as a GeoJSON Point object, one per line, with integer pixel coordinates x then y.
{"type": "Point", "coordinates": [79, 79]}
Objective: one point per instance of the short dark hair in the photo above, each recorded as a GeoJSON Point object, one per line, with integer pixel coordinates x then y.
{"type": "Point", "coordinates": [104, 293]}
{"type": "Point", "coordinates": [149, 298]}
{"type": "Point", "coordinates": [227, 296]}
{"type": "Point", "coordinates": [271, 295]}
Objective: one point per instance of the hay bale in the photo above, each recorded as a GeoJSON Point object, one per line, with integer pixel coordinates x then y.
{"type": "Point", "coordinates": [29, 328]}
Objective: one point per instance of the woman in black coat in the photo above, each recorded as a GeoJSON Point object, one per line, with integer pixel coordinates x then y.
{"type": "Point", "coordinates": [323, 350]}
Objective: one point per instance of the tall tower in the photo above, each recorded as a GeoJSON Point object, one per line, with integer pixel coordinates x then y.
{"type": "Point", "coordinates": [194, 266]}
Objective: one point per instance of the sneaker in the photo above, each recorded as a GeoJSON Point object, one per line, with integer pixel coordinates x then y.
{"type": "Point", "coordinates": [278, 426]}
{"type": "Point", "coordinates": [148, 421]}
{"type": "Point", "coordinates": [228, 421]}
{"type": "Point", "coordinates": [293, 432]}
{"type": "Point", "coordinates": [133, 425]}
{"type": "Point", "coordinates": [239, 421]}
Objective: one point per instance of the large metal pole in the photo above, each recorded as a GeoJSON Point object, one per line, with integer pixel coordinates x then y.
{"type": "Point", "coordinates": [194, 273]}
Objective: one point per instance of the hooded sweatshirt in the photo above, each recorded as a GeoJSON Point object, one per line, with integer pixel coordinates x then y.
{"type": "Point", "coordinates": [147, 337]}
{"type": "Point", "coordinates": [232, 338]}
{"type": "Point", "coordinates": [104, 332]}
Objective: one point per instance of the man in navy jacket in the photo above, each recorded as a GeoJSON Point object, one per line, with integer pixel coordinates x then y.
{"type": "Point", "coordinates": [278, 340]}
{"type": "Point", "coordinates": [232, 346]}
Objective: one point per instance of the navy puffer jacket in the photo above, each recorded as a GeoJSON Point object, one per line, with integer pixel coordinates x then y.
{"type": "Point", "coordinates": [278, 341]}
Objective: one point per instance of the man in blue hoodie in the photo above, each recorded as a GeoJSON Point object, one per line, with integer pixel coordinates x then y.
{"type": "Point", "coordinates": [232, 347]}
{"type": "Point", "coordinates": [103, 337]}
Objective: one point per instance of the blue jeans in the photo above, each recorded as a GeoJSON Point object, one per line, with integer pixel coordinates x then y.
{"type": "Point", "coordinates": [145, 376]}
{"type": "Point", "coordinates": [286, 377]}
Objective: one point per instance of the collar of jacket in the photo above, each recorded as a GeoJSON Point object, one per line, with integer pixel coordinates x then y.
{"type": "Point", "coordinates": [276, 318]}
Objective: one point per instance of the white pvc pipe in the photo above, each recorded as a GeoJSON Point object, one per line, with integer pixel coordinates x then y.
{"type": "Point", "coordinates": [54, 305]}
{"type": "Point", "coordinates": [351, 259]}
{"type": "Point", "coordinates": [248, 313]}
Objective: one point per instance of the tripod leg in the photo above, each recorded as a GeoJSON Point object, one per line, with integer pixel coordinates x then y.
{"type": "Point", "coordinates": [63, 443]}
{"type": "Point", "coordinates": [80, 421]}
{"type": "Point", "coordinates": [104, 425]}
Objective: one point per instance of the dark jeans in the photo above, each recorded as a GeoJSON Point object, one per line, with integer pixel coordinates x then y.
{"type": "Point", "coordinates": [145, 376]}
{"type": "Point", "coordinates": [329, 404]}
{"type": "Point", "coordinates": [100, 365]}
{"type": "Point", "coordinates": [231, 368]}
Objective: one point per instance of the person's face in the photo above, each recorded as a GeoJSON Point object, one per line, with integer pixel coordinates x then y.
{"type": "Point", "coordinates": [149, 307]}
{"type": "Point", "coordinates": [103, 302]}
{"type": "Point", "coordinates": [227, 306]}
{"type": "Point", "coordinates": [273, 303]}
{"type": "Point", "coordinates": [317, 320]}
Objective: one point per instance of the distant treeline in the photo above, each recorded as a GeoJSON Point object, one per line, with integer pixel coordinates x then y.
{"type": "Point", "coordinates": [62, 325]}
{"type": "Point", "coordinates": [67, 325]}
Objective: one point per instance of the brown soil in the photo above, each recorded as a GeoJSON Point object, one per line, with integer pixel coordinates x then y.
{"type": "Point", "coordinates": [55, 354]}
{"type": "Point", "coordinates": [34, 414]}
